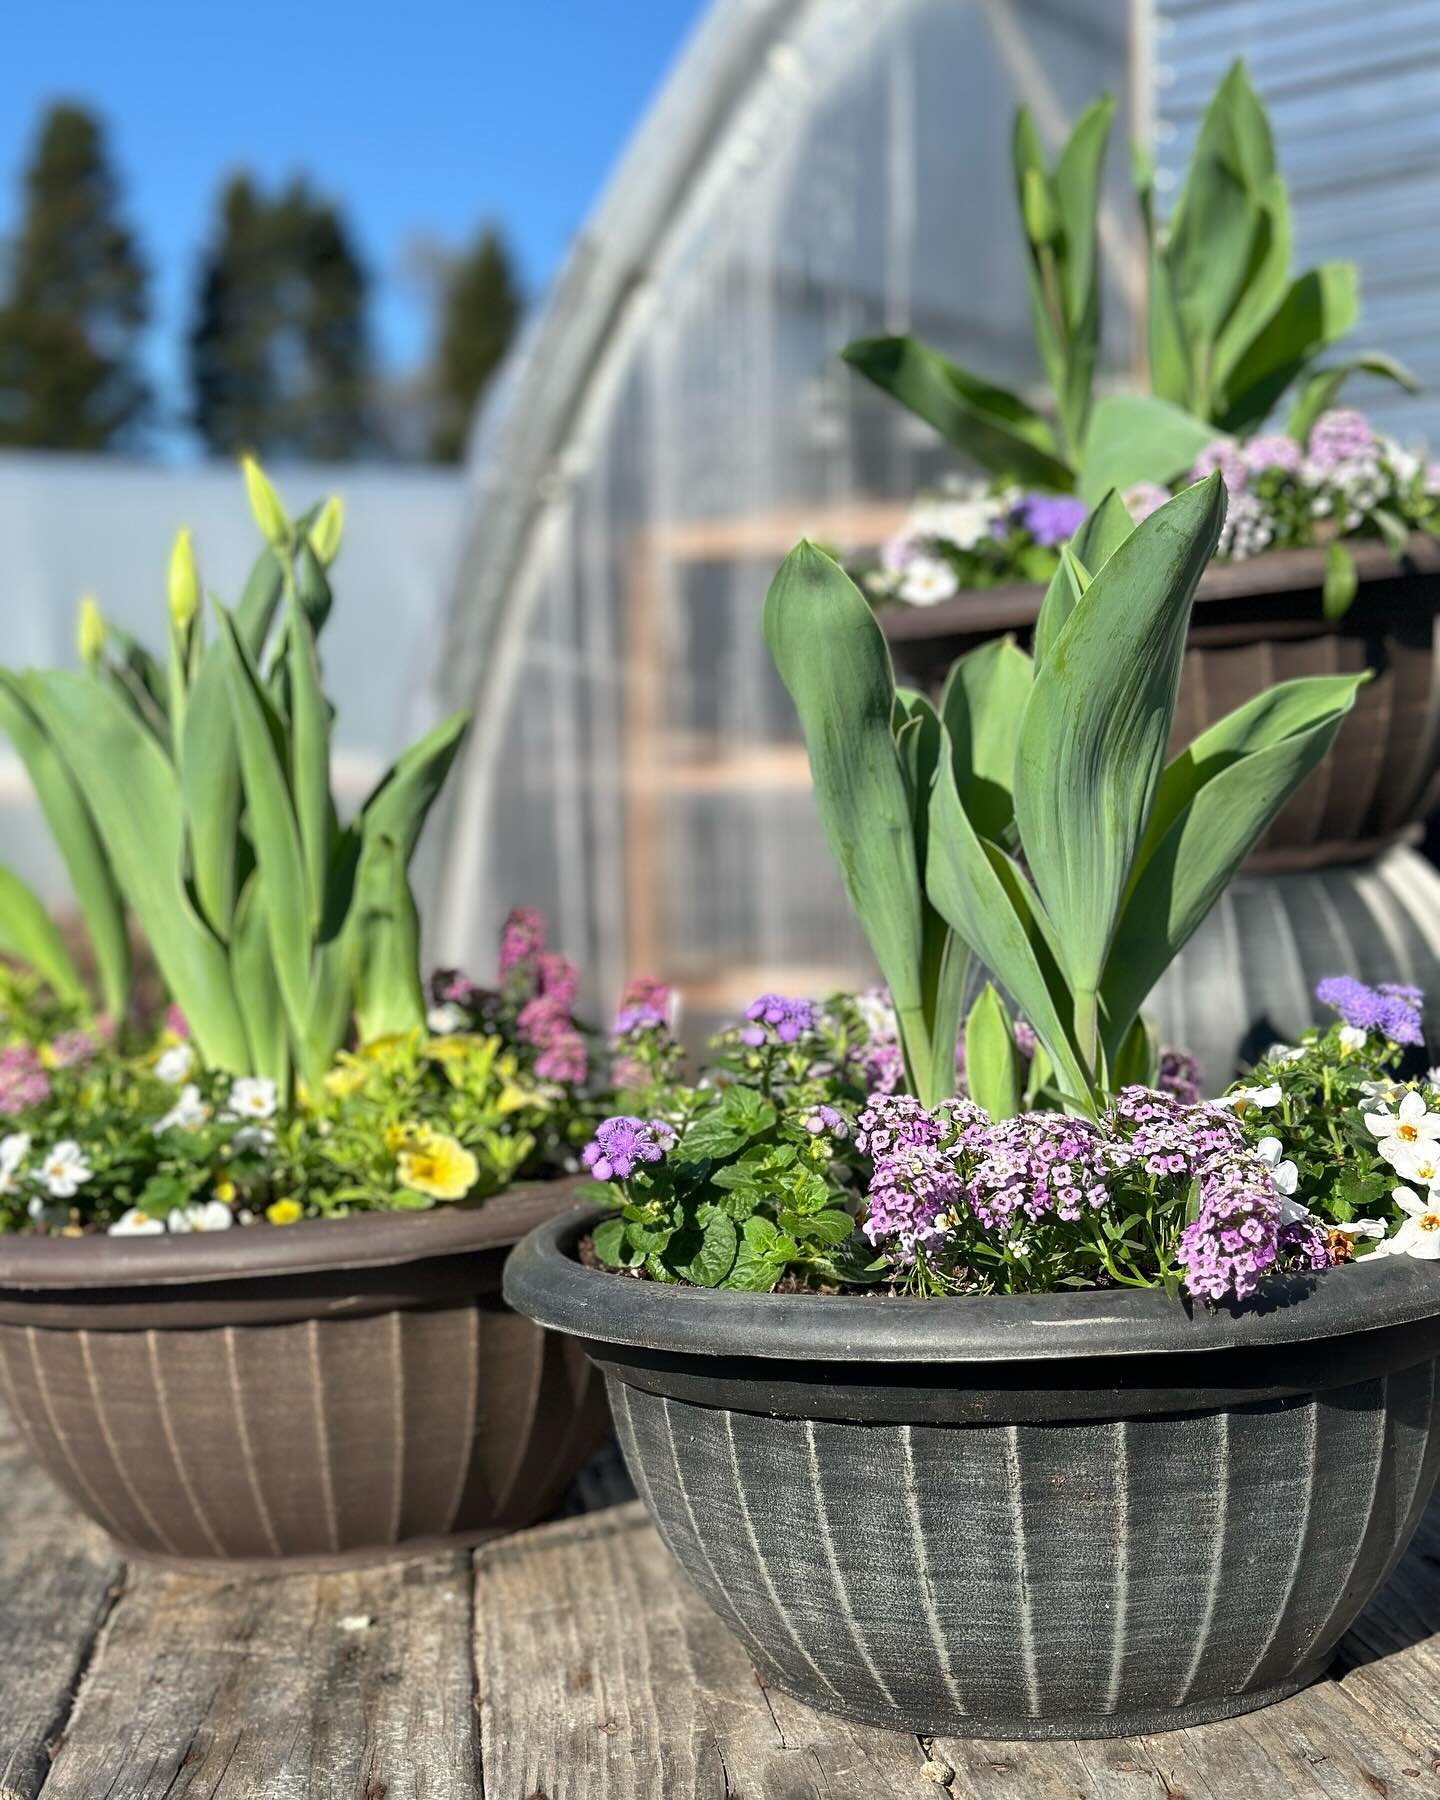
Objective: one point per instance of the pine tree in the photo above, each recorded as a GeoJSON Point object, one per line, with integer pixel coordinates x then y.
{"type": "Point", "coordinates": [279, 354]}
{"type": "Point", "coordinates": [481, 310]}
{"type": "Point", "coordinates": [75, 301]}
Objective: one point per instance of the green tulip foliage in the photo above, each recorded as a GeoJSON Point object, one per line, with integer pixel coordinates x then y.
{"type": "Point", "coordinates": [1031, 819]}
{"type": "Point", "coordinates": [1230, 330]}
{"type": "Point", "coordinates": [196, 797]}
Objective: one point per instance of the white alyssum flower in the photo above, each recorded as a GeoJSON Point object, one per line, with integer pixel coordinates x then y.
{"type": "Point", "coordinates": [1419, 1236]}
{"type": "Point", "coordinates": [1246, 1097]}
{"type": "Point", "coordinates": [14, 1148]}
{"type": "Point", "coordinates": [174, 1064]}
{"type": "Point", "coordinates": [1411, 1127]}
{"type": "Point", "coordinates": [135, 1224]}
{"type": "Point", "coordinates": [188, 1111]}
{"type": "Point", "coordinates": [1351, 1038]}
{"type": "Point", "coordinates": [205, 1215]}
{"type": "Point", "coordinates": [877, 1013]}
{"type": "Point", "coordinates": [927, 581]}
{"type": "Point", "coordinates": [64, 1169]}
{"type": "Point", "coordinates": [253, 1097]}
{"type": "Point", "coordinates": [445, 1018]}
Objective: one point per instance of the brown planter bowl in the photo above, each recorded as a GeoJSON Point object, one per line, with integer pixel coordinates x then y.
{"type": "Point", "coordinates": [336, 1392]}
{"type": "Point", "coordinates": [1256, 623]}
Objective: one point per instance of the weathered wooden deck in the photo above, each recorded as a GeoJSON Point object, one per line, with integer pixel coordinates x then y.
{"type": "Point", "coordinates": [571, 1663]}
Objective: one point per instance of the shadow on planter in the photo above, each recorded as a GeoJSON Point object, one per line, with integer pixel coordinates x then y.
{"type": "Point", "coordinates": [1070, 1515]}
{"type": "Point", "coordinates": [330, 1393]}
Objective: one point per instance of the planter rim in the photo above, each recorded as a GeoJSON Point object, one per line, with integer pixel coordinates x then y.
{"type": "Point", "coordinates": [244, 1253]}
{"type": "Point", "coordinates": [1016, 605]}
{"type": "Point", "coordinates": [544, 1280]}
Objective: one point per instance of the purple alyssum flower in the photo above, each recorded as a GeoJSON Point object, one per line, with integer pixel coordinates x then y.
{"type": "Point", "coordinates": [1033, 1166]}
{"type": "Point", "coordinates": [1235, 1238]}
{"type": "Point", "coordinates": [1226, 457]}
{"type": "Point", "coordinates": [622, 1144]}
{"type": "Point", "coordinates": [1272, 451]}
{"type": "Point", "coordinates": [1341, 435]}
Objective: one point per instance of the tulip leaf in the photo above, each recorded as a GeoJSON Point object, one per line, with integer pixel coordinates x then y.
{"type": "Point", "coordinates": [1321, 389]}
{"type": "Point", "coordinates": [253, 964]}
{"type": "Point", "coordinates": [309, 758]}
{"type": "Point", "coordinates": [28, 933]}
{"type": "Point", "coordinates": [1138, 437]}
{"type": "Point", "coordinates": [992, 1064]}
{"type": "Point", "coordinates": [1320, 307]}
{"type": "Point", "coordinates": [982, 702]}
{"type": "Point", "coordinates": [386, 944]}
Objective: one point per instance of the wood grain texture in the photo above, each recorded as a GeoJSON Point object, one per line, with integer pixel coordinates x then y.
{"type": "Point", "coordinates": [58, 1580]}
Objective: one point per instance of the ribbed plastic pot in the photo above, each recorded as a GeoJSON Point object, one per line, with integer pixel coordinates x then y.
{"type": "Point", "coordinates": [336, 1392]}
{"type": "Point", "coordinates": [1078, 1515]}
{"type": "Point", "coordinates": [1256, 623]}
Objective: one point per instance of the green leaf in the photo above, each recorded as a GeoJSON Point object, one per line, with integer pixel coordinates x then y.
{"type": "Point", "coordinates": [981, 704]}
{"type": "Point", "coordinates": [1078, 173]}
{"type": "Point", "coordinates": [255, 610]}
{"type": "Point", "coordinates": [992, 1065]}
{"type": "Point", "coordinates": [1265, 282]}
{"type": "Point", "coordinates": [310, 759]}
{"type": "Point", "coordinates": [273, 827]}
{"type": "Point", "coordinates": [1139, 437]}
{"type": "Point", "coordinates": [715, 1257]}
{"type": "Point", "coordinates": [970, 885]}
{"type": "Point", "coordinates": [830, 1226]}
{"type": "Point", "coordinates": [73, 828]}
{"type": "Point", "coordinates": [1092, 741]}
{"type": "Point", "coordinates": [991, 425]}
{"type": "Point", "coordinates": [28, 933]}
{"type": "Point", "coordinates": [400, 802]}
{"type": "Point", "coordinates": [832, 657]}
{"type": "Point", "coordinates": [1212, 238]}
{"type": "Point", "coordinates": [253, 966]}
{"type": "Point", "coordinates": [386, 945]}
{"type": "Point", "coordinates": [1341, 582]}
{"type": "Point", "coordinates": [1320, 307]}
{"type": "Point", "coordinates": [1137, 1061]}
{"type": "Point", "coordinates": [1104, 530]}
{"type": "Point", "coordinates": [1062, 596]}
{"type": "Point", "coordinates": [1219, 797]}
{"type": "Point", "coordinates": [611, 1241]}
{"type": "Point", "coordinates": [1320, 390]}
{"type": "Point", "coordinates": [740, 1115]}
{"type": "Point", "coordinates": [1393, 529]}
{"type": "Point", "coordinates": [134, 798]}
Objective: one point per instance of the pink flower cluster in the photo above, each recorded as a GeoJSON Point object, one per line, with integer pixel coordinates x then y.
{"type": "Point", "coordinates": [545, 1020]}
{"type": "Point", "coordinates": [23, 1081]}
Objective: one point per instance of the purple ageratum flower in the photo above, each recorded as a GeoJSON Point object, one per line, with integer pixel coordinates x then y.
{"type": "Point", "coordinates": [822, 1119]}
{"type": "Point", "coordinates": [23, 1081]}
{"type": "Point", "coordinates": [1339, 436]}
{"type": "Point", "coordinates": [1393, 1010]}
{"type": "Point", "coordinates": [622, 1144]}
{"type": "Point", "coordinates": [788, 1019]}
{"type": "Point", "coordinates": [1049, 518]}
{"type": "Point", "coordinates": [521, 937]}
{"type": "Point", "coordinates": [1235, 1239]}
{"type": "Point", "coordinates": [644, 1006]}
{"type": "Point", "coordinates": [1273, 451]}
{"type": "Point", "coordinates": [1225, 457]}
{"type": "Point", "coordinates": [1034, 1166]}
{"type": "Point", "coordinates": [1145, 498]}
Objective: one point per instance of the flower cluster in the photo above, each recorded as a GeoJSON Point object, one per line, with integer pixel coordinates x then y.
{"type": "Point", "coordinates": [645, 1056]}
{"type": "Point", "coordinates": [972, 536]}
{"type": "Point", "coordinates": [1347, 480]}
{"type": "Point", "coordinates": [532, 1009]}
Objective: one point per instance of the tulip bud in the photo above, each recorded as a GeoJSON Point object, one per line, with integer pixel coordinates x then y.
{"type": "Point", "coordinates": [184, 583]}
{"type": "Point", "coordinates": [1038, 212]}
{"type": "Point", "coordinates": [325, 532]}
{"type": "Point", "coordinates": [265, 505]}
{"type": "Point", "coordinates": [90, 633]}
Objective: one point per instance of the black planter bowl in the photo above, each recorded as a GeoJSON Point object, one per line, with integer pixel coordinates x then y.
{"type": "Point", "coordinates": [1078, 1515]}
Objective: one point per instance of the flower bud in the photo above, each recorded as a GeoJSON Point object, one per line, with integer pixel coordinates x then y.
{"type": "Point", "coordinates": [90, 633]}
{"type": "Point", "coordinates": [265, 505]}
{"type": "Point", "coordinates": [325, 533]}
{"type": "Point", "coordinates": [184, 582]}
{"type": "Point", "coordinates": [1035, 204]}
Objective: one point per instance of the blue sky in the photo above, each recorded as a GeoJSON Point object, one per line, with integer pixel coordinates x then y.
{"type": "Point", "coordinates": [419, 119]}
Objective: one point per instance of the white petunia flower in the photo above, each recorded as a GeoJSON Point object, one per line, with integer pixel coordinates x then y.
{"type": "Point", "coordinates": [253, 1097]}
{"type": "Point", "coordinates": [1284, 1174]}
{"type": "Point", "coordinates": [14, 1148]}
{"type": "Point", "coordinates": [207, 1215]}
{"type": "Point", "coordinates": [1419, 1236]}
{"type": "Point", "coordinates": [135, 1224]}
{"type": "Point", "coordinates": [187, 1112]}
{"type": "Point", "coordinates": [174, 1064]}
{"type": "Point", "coordinates": [1413, 1126]}
{"type": "Point", "coordinates": [64, 1170]}
{"type": "Point", "coordinates": [445, 1018]}
{"type": "Point", "coordinates": [1253, 1096]}
{"type": "Point", "coordinates": [1351, 1037]}
{"type": "Point", "coordinates": [927, 581]}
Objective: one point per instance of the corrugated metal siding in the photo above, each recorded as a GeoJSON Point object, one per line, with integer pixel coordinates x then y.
{"type": "Point", "coordinates": [1354, 96]}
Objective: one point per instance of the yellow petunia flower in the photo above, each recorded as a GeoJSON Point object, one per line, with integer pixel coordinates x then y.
{"type": "Point", "coordinates": [438, 1166]}
{"type": "Point", "coordinates": [346, 1078]}
{"type": "Point", "coordinates": [398, 1136]}
{"type": "Point", "coordinates": [225, 1190]}
{"type": "Point", "coordinates": [284, 1212]}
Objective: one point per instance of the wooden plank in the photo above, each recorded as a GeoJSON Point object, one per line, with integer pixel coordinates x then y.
{"type": "Point", "coordinates": [603, 1676]}
{"type": "Point", "coordinates": [58, 1580]}
{"type": "Point", "coordinates": [356, 1684]}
